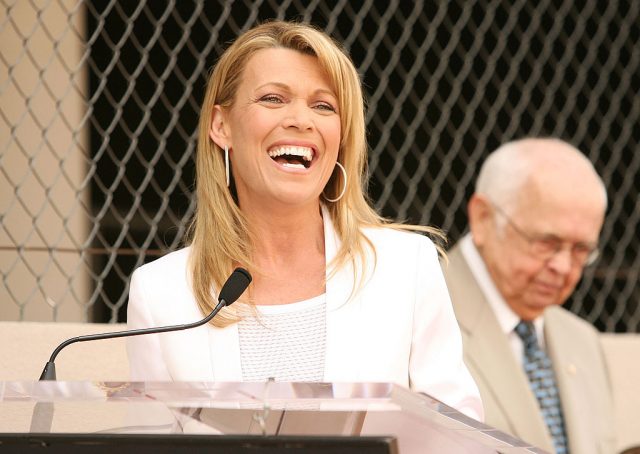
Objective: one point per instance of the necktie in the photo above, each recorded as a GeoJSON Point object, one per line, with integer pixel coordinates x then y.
{"type": "Point", "coordinates": [537, 366]}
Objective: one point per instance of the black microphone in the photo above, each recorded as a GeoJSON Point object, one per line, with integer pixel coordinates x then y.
{"type": "Point", "coordinates": [230, 292]}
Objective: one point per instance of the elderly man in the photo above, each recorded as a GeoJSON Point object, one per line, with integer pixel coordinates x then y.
{"type": "Point", "coordinates": [535, 219]}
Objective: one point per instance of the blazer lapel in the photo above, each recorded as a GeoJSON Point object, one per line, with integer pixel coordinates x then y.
{"type": "Point", "coordinates": [582, 386]}
{"type": "Point", "coordinates": [341, 349]}
{"type": "Point", "coordinates": [224, 351]}
{"type": "Point", "coordinates": [194, 354]}
{"type": "Point", "coordinates": [489, 356]}
{"type": "Point", "coordinates": [341, 359]}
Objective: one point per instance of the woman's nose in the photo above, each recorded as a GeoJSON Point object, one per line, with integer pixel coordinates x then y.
{"type": "Point", "coordinates": [298, 116]}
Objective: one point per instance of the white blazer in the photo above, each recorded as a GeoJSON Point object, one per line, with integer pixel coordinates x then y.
{"type": "Point", "coordinates": [399, 327]}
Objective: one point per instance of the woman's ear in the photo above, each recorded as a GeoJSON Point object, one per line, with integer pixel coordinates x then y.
{"type": "Point", "coordinates": [218, 130]}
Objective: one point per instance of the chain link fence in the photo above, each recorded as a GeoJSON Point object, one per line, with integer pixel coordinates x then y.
{"type": "Point", "coordinates": [99, 103]}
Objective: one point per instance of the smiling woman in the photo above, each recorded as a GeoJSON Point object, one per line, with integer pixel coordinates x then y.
{"type": "Point", "coordinates": [282, 132]}
{"type": "Point", "coordinates": [338, 293]}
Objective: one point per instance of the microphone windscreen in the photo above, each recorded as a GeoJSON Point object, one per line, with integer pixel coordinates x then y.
{"type": "Point", "coordinates": [235, 286]}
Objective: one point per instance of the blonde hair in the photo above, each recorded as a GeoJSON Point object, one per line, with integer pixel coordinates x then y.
{"type": "Point", "coordinates": [220, 236]}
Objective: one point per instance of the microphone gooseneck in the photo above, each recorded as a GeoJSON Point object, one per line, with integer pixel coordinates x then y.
{"type": "Point", "coordinates": [235, 285]}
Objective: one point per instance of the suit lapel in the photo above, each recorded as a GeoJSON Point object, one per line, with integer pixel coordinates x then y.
{"type": "Point", "coordinates": [224, 352]}
{"type": "Point", "coordinates": [576, 367]}
{"type": "Point", "coordinates": [194, 354]}
{"type": "Point", "coordinates": [488, 354]}
{"type": "Point", "coordinates": [342, 327]}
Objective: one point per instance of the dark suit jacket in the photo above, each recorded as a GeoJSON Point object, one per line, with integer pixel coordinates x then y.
{"type": "Point", "coordinates": [509, 403]}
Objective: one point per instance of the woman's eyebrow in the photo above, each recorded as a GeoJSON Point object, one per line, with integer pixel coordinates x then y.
{"type": "Point", "coordinates": [287, 88]}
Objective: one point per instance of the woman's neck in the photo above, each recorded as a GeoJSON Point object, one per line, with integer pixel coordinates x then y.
{"type": "Point", "coordinates": [284, 232]}
{"type": "Point", "coordinates": [289, 254]}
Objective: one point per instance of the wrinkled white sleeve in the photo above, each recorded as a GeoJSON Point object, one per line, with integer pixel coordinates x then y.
{"type": "Point", "coordinates": [436, 364]}
{"type": "Point", "coordinates": [146, 361]}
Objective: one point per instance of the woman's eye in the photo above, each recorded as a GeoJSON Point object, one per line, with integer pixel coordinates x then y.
{"type": "Point", "coordinates": [325, 106]}
{"type": "Point", "coordinates": [272, 99]}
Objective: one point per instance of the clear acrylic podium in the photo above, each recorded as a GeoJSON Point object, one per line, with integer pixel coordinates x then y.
{"type": "Point", "coordinates": [350, 418]}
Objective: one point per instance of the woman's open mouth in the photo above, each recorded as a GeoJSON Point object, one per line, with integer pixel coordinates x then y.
{"type": "Point", "coordinates": [292, 156]}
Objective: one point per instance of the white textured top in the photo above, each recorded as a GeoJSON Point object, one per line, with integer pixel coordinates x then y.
{"type": "Point", "coordinates": [286, 342]}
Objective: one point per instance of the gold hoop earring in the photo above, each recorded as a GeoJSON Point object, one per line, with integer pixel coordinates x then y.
{"type": "Point", "coordinates": [226, 162]}
{"type": "Point", "coordinates": [344, 186]}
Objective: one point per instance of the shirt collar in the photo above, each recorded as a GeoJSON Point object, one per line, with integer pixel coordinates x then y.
{"type": "Point", "coordinates": [507, 319]}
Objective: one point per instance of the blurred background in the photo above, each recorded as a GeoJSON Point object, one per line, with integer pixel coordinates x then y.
{"type": "Point", "coordinates": [99, 103]}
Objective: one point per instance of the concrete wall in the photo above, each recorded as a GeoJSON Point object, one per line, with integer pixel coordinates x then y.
{"type": "Point", "coordinates": [43, 162]}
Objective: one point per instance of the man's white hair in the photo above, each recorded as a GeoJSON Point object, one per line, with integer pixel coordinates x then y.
{"type": "Point", "coordinates": [504, 173]}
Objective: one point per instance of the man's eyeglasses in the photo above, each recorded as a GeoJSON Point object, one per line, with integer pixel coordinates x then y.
{"type": "Point", "coordinates": [544, 247]}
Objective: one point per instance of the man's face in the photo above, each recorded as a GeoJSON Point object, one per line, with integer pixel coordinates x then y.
{"type": "Point", "coordinates": [528, 279]}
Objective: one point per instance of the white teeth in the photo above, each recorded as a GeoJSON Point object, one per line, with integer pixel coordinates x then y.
{"type": "Point", "coordinates": [304, 152]}
{"type": "Point", "coordinates": [297, 166]}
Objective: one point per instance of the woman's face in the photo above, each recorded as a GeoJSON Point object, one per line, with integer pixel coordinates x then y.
{"type": "Point", "coordinates": [283, 130]}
